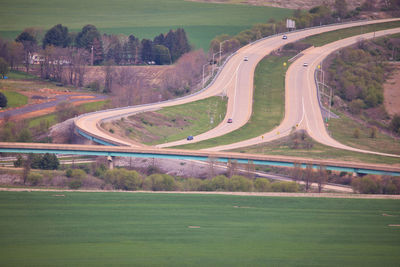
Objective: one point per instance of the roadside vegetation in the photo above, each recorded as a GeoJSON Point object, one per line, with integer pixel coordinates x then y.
{"type": "Point", "coordinates": [357, 75]}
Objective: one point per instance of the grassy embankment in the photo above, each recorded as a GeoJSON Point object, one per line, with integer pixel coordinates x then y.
{"type": "Point", "coordinates": [92, 229]}
{"type": "Point", "coordinates": [14, 99]}
{"type": "Point", "coordinates": [52, 117]}
{"type": "Point", "coordinates": [142, 18]}
{"type": "Point", "coordinates": [174, 123]}
{"type": "Point", "coordinates": [329, 37]}
{"type": "Point", "coordinates": [21, 81]}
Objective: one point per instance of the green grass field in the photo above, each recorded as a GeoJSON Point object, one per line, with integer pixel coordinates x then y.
{"type": "Point", "coordinates": [112, 229]}
{"type": "Point", "coordinates": [14, 99]}
{"type": "Point", "coordinates": [143, 18]}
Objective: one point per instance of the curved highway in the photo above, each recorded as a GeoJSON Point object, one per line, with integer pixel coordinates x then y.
{"type": "Point", "coordinates": [236, 81]}
{"type": "Point", "coordinates": [302, 109]}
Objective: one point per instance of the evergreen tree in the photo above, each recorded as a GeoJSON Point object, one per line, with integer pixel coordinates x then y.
{"type": "Point", "coordinates": [49, 162]}
{"type": "Point", "coordinates": [88, 38]}
{"type": "Point", "coordinates": [161, 55]}
{"type": "Point", "coordinates": [147, 50]}
{"type": "Point", "coordinates": [159, 40]}
{"type": "Point", "coordinates": [57, 36]}
{"type": "Point", "coordinates": [29, 43]}
{"type": "Point", "coordinates": [3, 100]}
{"type": "Point", "coordinates": [131, 50]}
{"type": "Point", "coordinates": [3, 67]}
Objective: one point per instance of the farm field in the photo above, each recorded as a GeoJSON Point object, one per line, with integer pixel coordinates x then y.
{"type": "Point", "coordinates": [142, 18]}
{"type": "Point", "coordinates": [92, 229]}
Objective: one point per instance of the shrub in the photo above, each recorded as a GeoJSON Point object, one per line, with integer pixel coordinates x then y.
{"type": "Point", "coordinates": [262, 185]}
{"type": "Point", "coordinates": [94, 86]}
{"type": "Point", "coordinates": [18, 161]}
{"type": "Point", "coordinates": [75, 184]}
{"type": "Point", "coordinates": [68, 173]}
{"type": "Point", "coordinates": [366, 185]}
{"type": "Point", "coordinates": [356, 133]}
{"type": "Point", "coordinates": [240, 183]}
{"type": "Point", "coordinates": [372, 132]}
{"type": "Point", "coordinates": [100, 170]}
{"type": "Point", "coordinates": [192, 184]}
{"type": "Point", "coordinates": [78, 174]}
{"type": "Point", "coordinates": [34, 178]}
{"type": "Point", "coordinates": [395, 124]}
{"type": "Point", "coordinates": [123, 179]}
{"type": "Point", "coordinates": [285, 187]}
{"type": "Point", "coordinates": [160, 182]}
{"type": "Point", "coordinates": [219, 183]}
{"type": "Point", "coordinates": [3, 100]}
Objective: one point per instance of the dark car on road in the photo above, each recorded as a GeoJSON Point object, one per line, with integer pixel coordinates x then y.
{"type": "Point", "coordinates": [190, 137]}
{"type": "Point", "coordinates": [230, 121]}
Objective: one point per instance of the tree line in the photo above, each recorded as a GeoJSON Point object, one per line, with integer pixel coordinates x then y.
{"type": "Point", "coordinates": [59, 49]}
{"type": "Point", "coordinates": [319, 15]}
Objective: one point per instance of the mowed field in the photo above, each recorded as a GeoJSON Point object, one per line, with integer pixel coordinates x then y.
{"type": "Point", "coordinates": [143, 229]}
{"type": "Point", "coordinates": [143, 18]}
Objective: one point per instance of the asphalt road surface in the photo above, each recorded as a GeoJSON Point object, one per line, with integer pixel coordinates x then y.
{"type": "Point", "coordinates": [302, 110]}
{"type": "Point", "coordinates": [236, 81]}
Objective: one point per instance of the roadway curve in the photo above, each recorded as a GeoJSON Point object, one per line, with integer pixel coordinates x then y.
{"type": "Point", "coordinates": [302, 109]}
{"type": "Point", "coordinates": [234, 80]}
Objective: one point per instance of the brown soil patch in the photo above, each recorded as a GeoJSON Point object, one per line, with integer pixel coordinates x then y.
{"type": "Point", "coordinates": [394, 225]}
{"type": "Point", "coordinates": [384, 214]}
{"type": "Point", "coordinates": [193, 226]}
{"type": "Point", "coordinates": [392, 92]}
{"type": "Point", "coordinates": [82, 97]}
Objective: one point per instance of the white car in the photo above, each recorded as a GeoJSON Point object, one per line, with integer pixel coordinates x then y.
{"type": "Point", "coordinates": [284, 37]}
{"type": "Point", "coordinates": [246, 59]}
{"type": "Point", "coordinates": [305, 64]}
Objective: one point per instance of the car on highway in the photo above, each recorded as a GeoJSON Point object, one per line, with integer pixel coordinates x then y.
{"type": "Point", "coordinates": [284, 37]}
{"type": "Point", "coordinates": [230, 120]}
{"type": "Point", "coordinates": [246, 59]}
{"type": "Point", "coordinates": [305, 64]}
{"type": "Point", "coordinates": [190, 137]}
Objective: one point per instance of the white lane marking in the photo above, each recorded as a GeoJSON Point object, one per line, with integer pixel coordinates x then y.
{"type": "Point", "coordinates": [304, 112]}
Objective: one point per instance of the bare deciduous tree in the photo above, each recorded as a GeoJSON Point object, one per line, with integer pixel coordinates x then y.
{"type": "Point", "coordinates": [322, 177]}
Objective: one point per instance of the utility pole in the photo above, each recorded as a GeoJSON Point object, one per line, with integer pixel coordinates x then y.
{"type": "Point", "coordinates": [92, 56]}
{"type": "Point", "coordinates": [220, 50]}
{"type": "Point", "coordinates": [203, 74]}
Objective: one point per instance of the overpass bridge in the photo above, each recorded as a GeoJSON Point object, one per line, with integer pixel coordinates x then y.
{"type": "Point", "coordinates": [277, 161]}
